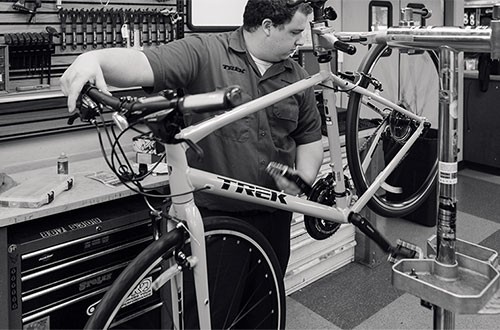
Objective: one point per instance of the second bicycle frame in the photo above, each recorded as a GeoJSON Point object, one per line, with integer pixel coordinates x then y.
{"type": "Point", "coordinates": [183, 180]}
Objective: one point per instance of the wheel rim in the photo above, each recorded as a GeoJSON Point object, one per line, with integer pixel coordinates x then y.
{"type": "Point", "coordinates": [380, 204]}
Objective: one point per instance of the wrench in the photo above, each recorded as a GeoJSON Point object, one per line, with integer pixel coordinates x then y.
{"type": "Point", "coordinates": [140, 18]}
{"type": "Point", "coordinates": [104, 17]}
{"type": "Point", "coordinates": [93, 18]}
{"type": "Point", "coordinates": [84, 14]}
{"type": "Point", "coordinates": [63, 14]}
{"type": "Point", "coordinates": [131, 23]}
{"type": "Point", "coordinates": [123, 18]}
{"type": "Point", "coordinates": [114, 19]}
{"type": "Point", "coordinates": [74, 18]}
{"type": "Point", "coordinates": [158, 18]}
{"type": "Point", "coordinates": [149, 20]}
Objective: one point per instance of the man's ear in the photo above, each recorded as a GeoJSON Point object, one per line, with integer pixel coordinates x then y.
{"type": "Point", "coordinates": [267, 25]}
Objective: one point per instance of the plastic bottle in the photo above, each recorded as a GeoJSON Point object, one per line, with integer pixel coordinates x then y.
{"type": "Point", "coordinates": [62, 164]}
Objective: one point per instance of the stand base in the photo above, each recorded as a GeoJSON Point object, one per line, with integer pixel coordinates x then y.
{"type": "Point", "coordinates": [474, 282]}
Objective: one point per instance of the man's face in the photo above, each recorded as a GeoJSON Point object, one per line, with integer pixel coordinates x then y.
{"type": "Point", "coordinates": [283, 40]}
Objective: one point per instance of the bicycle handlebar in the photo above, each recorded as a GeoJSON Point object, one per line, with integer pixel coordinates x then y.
{"type": "Point", "coordinates": [133, 109]}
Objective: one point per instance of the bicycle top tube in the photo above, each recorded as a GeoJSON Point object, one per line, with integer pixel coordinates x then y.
{"type": "Point", "coordinates": [486, 40]}
{"type": "Point", "coordinates": [200, 130]}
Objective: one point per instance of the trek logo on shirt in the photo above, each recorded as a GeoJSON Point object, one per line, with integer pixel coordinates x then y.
{"type": "Point", "coordinates": [250, 190]}
{"type": "Point", "coordinates": [233, 68]}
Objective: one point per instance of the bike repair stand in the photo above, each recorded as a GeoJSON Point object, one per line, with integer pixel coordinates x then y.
{"type": "Point", "coordinates": [458, 276]}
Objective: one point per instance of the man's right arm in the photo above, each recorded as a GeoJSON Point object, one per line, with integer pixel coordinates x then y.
{"type": "Point", "coordinates": [119, 67]}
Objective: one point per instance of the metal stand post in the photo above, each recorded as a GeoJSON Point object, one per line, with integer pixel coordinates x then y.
{"type": "Point", "coordinates": [448, 176]}
{"type": "Point", "coordinates": [463, 277]}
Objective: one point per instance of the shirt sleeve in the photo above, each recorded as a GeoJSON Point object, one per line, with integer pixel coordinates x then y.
{"type": "Point", "coordinates": [176, 64]}
{"type": "Point", "coordinates": [309, 125]}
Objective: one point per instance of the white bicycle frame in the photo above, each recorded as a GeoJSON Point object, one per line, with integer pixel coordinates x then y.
{"type": "Point", "coordinates": [184, 180]}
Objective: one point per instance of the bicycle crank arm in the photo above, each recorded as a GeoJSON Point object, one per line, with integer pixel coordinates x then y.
{"type": "Point", "coordinates": [403, 250]}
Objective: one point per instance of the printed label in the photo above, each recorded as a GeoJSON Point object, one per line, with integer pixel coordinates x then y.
{"type": "Point", "coordinates": [448, 173]}
{"type": "Point", "coordinates": [40, 324]}
{"type": "Point", "coordinates": [142, 291]}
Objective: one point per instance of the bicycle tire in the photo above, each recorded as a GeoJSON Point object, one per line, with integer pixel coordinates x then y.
{"type": "Point", "coordinates": [356, 114]}
{"type": "Point", "coordinates": [230, 232]}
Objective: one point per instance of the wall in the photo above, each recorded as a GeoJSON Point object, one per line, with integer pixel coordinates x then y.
{"type": "Point", "coordinates": [33, 124]}
{"type": "Point", "coordinates": [64, 52]}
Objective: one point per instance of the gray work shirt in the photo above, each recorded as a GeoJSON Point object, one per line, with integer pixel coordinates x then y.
{"type": "Point", "coordinates": [241, 150]}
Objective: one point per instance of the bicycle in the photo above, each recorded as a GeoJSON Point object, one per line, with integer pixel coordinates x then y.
{"type": "Point", "coordinates": [331, 200]}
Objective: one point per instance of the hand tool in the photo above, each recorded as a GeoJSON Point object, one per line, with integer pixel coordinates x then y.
{"type": "Point", "coordinates": [158, 18]}
{"type": "Point", "coordinates": [63, 14]}
{"type": "Point", "coordinates": [16, 55]}
{"type": "Point", "coordinates": [73, 13]}
{"type": "Point", "coordinates": [21, 6]}
{"type": "Point", "coordinates": [52, 33]}
{"type": "Point", "coordinates": [84, 14]}
{"type": "Point", "coordinates": [131, 25]}
{"type": "Point", "coordinates": [149, 20]}
{"type": "Point", "coordinates": [32, 88]}
{"type": "Point", "coordinates": [140, 18]}
{"type": "Point", "coordinates": [104, 24]}
{"type": "Point", "coordinates": [166, 26]}
{"type": "Point", "coordinates": [34, 48]}
{"type": "Point", "coordinates": [45, 58]}
{"type": "Point", "coordinates": [114, 19]}
{"type": "Point", "coordinates": [93, 18]}
{"type": "Point", "coordinates": [123, 18]}
{"type": "Point", "coordinates": [26, 42]}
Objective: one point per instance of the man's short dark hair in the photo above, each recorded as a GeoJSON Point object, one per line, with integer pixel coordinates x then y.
{"type": "Point", "coordinates": [276, 10]}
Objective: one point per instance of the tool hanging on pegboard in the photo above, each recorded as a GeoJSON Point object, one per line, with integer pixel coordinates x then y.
{"type": "Point", "coordinates": [30, 55]}
{"type": "Point", "coordinates": [22, 7]}
{"type": "Point", "coordinates": [63, 14]}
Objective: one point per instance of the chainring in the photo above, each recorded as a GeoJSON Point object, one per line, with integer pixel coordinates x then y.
{"type": "Point", "coordinates": [322, 192]}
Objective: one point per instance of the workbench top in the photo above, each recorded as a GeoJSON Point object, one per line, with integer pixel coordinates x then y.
{"type": "Point", "coordinates": [85, 191]}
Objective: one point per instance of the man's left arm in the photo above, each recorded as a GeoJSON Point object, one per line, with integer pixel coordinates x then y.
{"type": "Point", "coordinates": [308, 160]}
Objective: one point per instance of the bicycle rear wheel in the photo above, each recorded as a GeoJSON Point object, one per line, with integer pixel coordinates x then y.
{"type": "Point", "coordinates": [232, 306]}
{"type": "Point", "coordinates": [374, 133]}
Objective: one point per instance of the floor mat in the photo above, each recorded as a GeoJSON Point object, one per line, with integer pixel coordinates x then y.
{"type": "Point", "coordinates": [350, 295]}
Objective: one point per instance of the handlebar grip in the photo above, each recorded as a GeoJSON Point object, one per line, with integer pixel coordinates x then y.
{"type": "Point", "coordinates": [345, 47]}
{"type": "Point", "coordinates": [100, 97]}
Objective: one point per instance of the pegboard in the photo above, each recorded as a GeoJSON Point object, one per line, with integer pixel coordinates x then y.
{"type": "Point", "coordinates": [31, 103]}
{"type": "Point", "coordinates": [99, 25]}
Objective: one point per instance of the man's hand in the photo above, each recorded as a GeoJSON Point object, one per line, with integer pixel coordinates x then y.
{"type": "Point", "coordinates": [85, 68]}
{"type": "Point", "coordinates": [286, 185]}
{"type": "Point", "coordinates": [287, 179]}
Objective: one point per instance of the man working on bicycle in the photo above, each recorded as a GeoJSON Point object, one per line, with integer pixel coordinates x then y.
{"type": "Point", "coordinates": [257, 58]}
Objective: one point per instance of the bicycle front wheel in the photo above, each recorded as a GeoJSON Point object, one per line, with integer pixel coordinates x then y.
{"type": "Point", "coordinates": [246, 291]}
{"type": "Point", "coordinates": [375, 133]}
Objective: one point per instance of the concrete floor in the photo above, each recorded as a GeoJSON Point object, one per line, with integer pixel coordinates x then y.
{"type": "Point", "coordinates": [361, 296]}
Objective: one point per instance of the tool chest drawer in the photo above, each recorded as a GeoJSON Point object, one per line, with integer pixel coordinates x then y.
{"type": "Point", "coordinates": [59, 267]}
